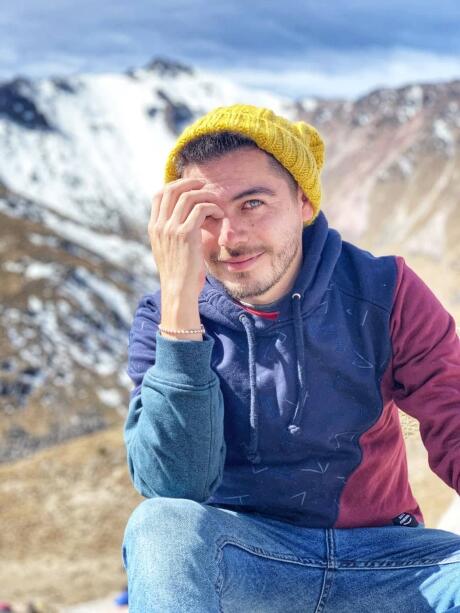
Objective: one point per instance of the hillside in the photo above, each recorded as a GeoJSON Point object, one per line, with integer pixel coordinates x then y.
{"type": "Point", "coordinates": [74, 499]}
{"type": "Point", "coordinates": [392, 176]}
{"type": "Point", "coordinates": [65, 317]}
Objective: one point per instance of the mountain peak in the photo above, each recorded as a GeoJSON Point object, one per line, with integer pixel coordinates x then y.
{"type": "Point", "coordinates": [166, 67]}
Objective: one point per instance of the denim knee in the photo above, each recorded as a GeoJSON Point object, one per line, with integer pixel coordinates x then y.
{"type": "Point", "coordinates": [161, 513]}
{"type": "Point", "coordinates": [158, 521]}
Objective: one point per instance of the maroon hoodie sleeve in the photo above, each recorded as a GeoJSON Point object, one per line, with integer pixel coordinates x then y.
{"type": "Point", "coordinates": [426, 370]}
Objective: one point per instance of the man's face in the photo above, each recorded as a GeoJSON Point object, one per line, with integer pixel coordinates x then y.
{"type": "Point", "coordinates": [255, 250]}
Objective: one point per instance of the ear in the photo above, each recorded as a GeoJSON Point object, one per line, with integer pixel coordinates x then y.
{"type": "Point", "coordinates": [307, 209]}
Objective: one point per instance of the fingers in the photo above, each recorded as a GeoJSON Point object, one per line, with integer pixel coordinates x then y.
{"type": "Point", "coordinates": [187, 201]}
{"type": "Point", "coordinates": [159, 203]}
{"type": "Point", "coordinates": [170, 194]}
{"type": "Point", "coordinates": [173, 205]}
{"type": "Point", "coordinates": [155, 209]}
{"type": "Point", "coordinates": [199, 213]}
{"type": "Point", "coordinates": [177, 215]}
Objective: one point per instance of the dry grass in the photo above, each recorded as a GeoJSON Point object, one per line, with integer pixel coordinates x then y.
{"type": "Point", "coordinates": [65, 508]}
{"type": "Point", "coordinates": [66, 511]}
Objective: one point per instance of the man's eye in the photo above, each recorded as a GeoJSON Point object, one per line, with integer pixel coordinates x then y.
{"type": "Point", "coordinates": [253, 204]}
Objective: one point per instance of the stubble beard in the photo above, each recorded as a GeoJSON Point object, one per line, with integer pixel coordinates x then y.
{"type": "Point", "coordinates": [242, 286]}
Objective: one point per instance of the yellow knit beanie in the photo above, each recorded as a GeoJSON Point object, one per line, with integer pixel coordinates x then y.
{"type": "Point", "coordinates": [296, 145]}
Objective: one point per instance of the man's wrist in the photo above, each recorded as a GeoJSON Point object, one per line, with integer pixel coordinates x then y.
{"type": "Point", "coordinates": [180, 316]}
{"type": "Point", "coordinates": [182, 333]}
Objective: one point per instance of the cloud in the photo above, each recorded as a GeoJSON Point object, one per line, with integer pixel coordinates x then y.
{"type": "Point", "coordinates": [333, 48]}
{"type": "Point", "coordinates": [355, 76]}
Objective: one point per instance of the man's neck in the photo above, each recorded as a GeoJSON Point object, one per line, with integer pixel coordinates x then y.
{"type": "Point", "coordinates": [267, 311]}
{"type": "Point", "coordinates": [260, 307]}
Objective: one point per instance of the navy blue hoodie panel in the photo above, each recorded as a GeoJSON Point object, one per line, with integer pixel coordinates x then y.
{"type": "Point", "coordinates": [346, 337]}
{"type": "Point", "coordinates": [346, 300]}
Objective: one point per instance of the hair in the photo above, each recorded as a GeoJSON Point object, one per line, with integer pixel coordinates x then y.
{"type": "Point", "coordinates": [209, 147]}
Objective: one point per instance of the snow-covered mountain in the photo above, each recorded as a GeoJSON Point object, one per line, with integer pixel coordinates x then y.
{"type": "Point", "coordinates": [93, 147]}
{"type": "Point", "coordinates": [80, 158]}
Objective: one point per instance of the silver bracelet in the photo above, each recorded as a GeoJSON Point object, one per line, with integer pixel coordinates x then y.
{"type": "Point", "coordinates": [182, 331]}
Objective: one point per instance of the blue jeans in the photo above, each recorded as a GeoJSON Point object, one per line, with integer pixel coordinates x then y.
{"type": "Point", "coordinates": [183, 556]}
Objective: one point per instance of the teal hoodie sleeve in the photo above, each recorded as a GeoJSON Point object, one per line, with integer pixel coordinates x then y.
{"type": "Point", "coordinates": [174, 431]}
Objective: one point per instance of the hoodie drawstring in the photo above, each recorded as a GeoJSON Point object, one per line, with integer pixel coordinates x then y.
{"type": "Point", "coordinates": [253, 453]}
{"type": "Point", "coordinates": [294, 427]}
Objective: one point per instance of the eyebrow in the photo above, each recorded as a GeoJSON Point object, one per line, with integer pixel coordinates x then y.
{"type": "Point", "coordinates": [258, 189]}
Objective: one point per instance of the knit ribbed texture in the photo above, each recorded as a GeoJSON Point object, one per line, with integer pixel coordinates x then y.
{"type": "Point", "coordinates": [296, 145]}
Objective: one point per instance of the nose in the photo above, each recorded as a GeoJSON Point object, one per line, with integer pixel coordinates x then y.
{"type": "Point", "coordinates": [232, 231]}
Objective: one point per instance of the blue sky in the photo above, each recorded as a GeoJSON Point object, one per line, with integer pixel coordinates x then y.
{"type": "Point", "coordinates": [337, 48]}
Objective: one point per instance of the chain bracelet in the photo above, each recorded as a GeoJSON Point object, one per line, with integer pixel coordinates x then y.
{"type": "Point", "coordinates": [182, 331]}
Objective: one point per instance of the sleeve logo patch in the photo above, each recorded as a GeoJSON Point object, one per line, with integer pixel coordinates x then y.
{"type": "Point", "coordinates": [405, 519]}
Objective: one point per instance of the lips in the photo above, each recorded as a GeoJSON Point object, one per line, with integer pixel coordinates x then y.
{"type": "Point", "coordinates": [241, 263]}
{"type": "Point", "coordinates": [245, 258]}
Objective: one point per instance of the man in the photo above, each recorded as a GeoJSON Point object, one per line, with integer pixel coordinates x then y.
{"type": "Point", "coordinates": [263, 426]}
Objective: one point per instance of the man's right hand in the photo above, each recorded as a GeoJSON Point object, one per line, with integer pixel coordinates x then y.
{"type": "Point", "coordinates": [178, 212]}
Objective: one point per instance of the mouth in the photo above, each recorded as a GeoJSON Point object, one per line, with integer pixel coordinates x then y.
{"type": "Point", "coordinates": [241, 263]}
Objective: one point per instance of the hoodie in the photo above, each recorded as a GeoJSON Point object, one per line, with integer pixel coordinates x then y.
{"type": "Point", "coordinates": [295, 416]}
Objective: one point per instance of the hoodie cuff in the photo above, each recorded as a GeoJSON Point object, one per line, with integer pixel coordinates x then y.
{"type": "Point", "coordinates": [186, 362]}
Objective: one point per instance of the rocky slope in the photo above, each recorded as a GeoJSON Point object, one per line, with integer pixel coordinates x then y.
{"type": "Point", "coordinates": [65, 316]}
{"type": "Point", "coordinates": [392, 176]}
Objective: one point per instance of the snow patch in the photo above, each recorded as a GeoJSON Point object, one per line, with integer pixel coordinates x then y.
{"type": "Point", "coordinates": [414, 95]}
{"type": "Point", "coordinates": [110, 397]}
{"type": "Point", "coordinates": [363, 119]}
{"type": "Point", "coordinates": [15, 267]}
{"type": "Point", "coordinates": [110, 247]}
{"type": "Point", "coordinates": [42, 270]}
{"type": "Point", "coordinates": [443, 133]}
{"type": "Point", "coordinates": [43, 240]}
{"type": "Point", "coordinates": [405, 166]}
{"type": "Point", "coordinates": [309, 104]}
{"type": "Point", "coordinates": [108, 293]}
{"type": "Point", "coordinates": [34, 304]}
